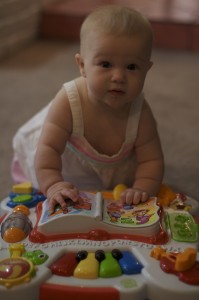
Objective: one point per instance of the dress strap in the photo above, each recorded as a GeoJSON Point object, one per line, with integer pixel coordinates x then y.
{"type": "Point", "coordinates": [76, 109]}
{"type": "Point", "coordinates": [134, 118]}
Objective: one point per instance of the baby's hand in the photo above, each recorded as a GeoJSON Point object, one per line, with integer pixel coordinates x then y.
{"type": "Point", "coordinates": [133, 196]}
{"type": "Point", "coordinates": [58, 192]}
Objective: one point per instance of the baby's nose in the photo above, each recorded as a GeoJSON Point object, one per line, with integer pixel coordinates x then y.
{"type": "Point", "coordinates": [118, 75]}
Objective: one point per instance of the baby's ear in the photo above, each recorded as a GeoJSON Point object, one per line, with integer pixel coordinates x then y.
{"type": "Point", "coordinates": [80, 63]}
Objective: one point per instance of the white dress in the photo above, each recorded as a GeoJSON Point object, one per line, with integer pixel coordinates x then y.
{"type": "Point", "coordinates": [82, 165]}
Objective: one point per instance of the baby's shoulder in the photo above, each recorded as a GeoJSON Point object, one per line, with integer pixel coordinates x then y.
{"type": "Point", "coordinates": [60, 107]}
{"type": "Point", "coordinates": [146, 112]}
{"type": "Point", "coordinates": [147, 123]}
{"type": "Point", "coordinates": [61, 98]}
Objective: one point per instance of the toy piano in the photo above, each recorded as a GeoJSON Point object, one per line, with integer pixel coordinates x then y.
{"type": "Point", "coordinates": [99, 248]}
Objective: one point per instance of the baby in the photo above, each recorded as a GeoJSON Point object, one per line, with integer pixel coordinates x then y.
{"type": "Point", "coordinates": [99, 130]}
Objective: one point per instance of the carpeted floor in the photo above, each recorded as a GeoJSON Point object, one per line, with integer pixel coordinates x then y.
{"type": "Point", "coordinates": [32, 77]}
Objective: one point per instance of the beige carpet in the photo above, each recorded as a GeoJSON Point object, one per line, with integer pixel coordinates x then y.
{"type": "Point", "coordinates": [31, 78]}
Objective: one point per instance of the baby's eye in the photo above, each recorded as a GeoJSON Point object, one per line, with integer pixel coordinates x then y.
{"type": "Point", "coordinates": [105, 64]}
{"type": "Point", "coordinates": [132, 67]}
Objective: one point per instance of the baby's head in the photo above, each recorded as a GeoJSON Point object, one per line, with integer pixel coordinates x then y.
{"type": "Point", "coordinates": [118, 21]}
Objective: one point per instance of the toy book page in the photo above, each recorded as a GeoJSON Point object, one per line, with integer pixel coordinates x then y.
{"type": "Point", "coordinates": [141, 215]}
{"type": "Point", "coordinates": [89, 204]}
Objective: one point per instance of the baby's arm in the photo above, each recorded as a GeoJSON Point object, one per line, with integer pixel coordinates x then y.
{"type": "Point", "coordinates": [149, 172]}
{"type": "Point", "coordinates": [48, 165]}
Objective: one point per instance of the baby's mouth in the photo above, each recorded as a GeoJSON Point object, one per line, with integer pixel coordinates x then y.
{"type": "Point", "coordinates": [116, 92]}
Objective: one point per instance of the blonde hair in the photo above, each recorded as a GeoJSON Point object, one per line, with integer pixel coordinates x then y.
{"type": "Point", "coordinates": [116, 20]}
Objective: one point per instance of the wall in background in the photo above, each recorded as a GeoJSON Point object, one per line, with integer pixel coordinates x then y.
{"type": "Point", "coordinates": [19, 22]}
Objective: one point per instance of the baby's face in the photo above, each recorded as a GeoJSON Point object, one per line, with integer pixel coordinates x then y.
{"type": "Point", "coordinates": [115, 68]}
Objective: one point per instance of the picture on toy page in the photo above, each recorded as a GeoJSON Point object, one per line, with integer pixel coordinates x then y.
{"type": "Point", "coordinates": [92, 210]}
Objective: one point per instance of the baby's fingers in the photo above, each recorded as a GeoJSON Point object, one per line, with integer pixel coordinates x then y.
{"type": "Point", "coordinates": [57, 199]}
{"type": "Point", "coordinates": [73, 194]}
{"type": "Point", "coordinates": [137, 197]}
{"type": "Point", "coordinates": [131, 196]}
{"type": "Point", "coordinates": [127, 196]}
{"type": "Point", "coordinates": [144, 197]}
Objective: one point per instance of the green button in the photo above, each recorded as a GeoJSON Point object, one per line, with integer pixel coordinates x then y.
{"type": "Point", "coordinates": [22, 198]}
{"type": "Point", "coordinates": [109, 267]}
{"type": "Point", "coordinates": [183, 227]}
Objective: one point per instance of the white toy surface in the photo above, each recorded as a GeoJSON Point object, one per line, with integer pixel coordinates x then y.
{"type": "Point", "coordinates": [99, 262]}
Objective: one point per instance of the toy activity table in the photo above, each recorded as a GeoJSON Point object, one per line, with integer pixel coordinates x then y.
{"type": "Point", "coordinates": [98, 249]}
